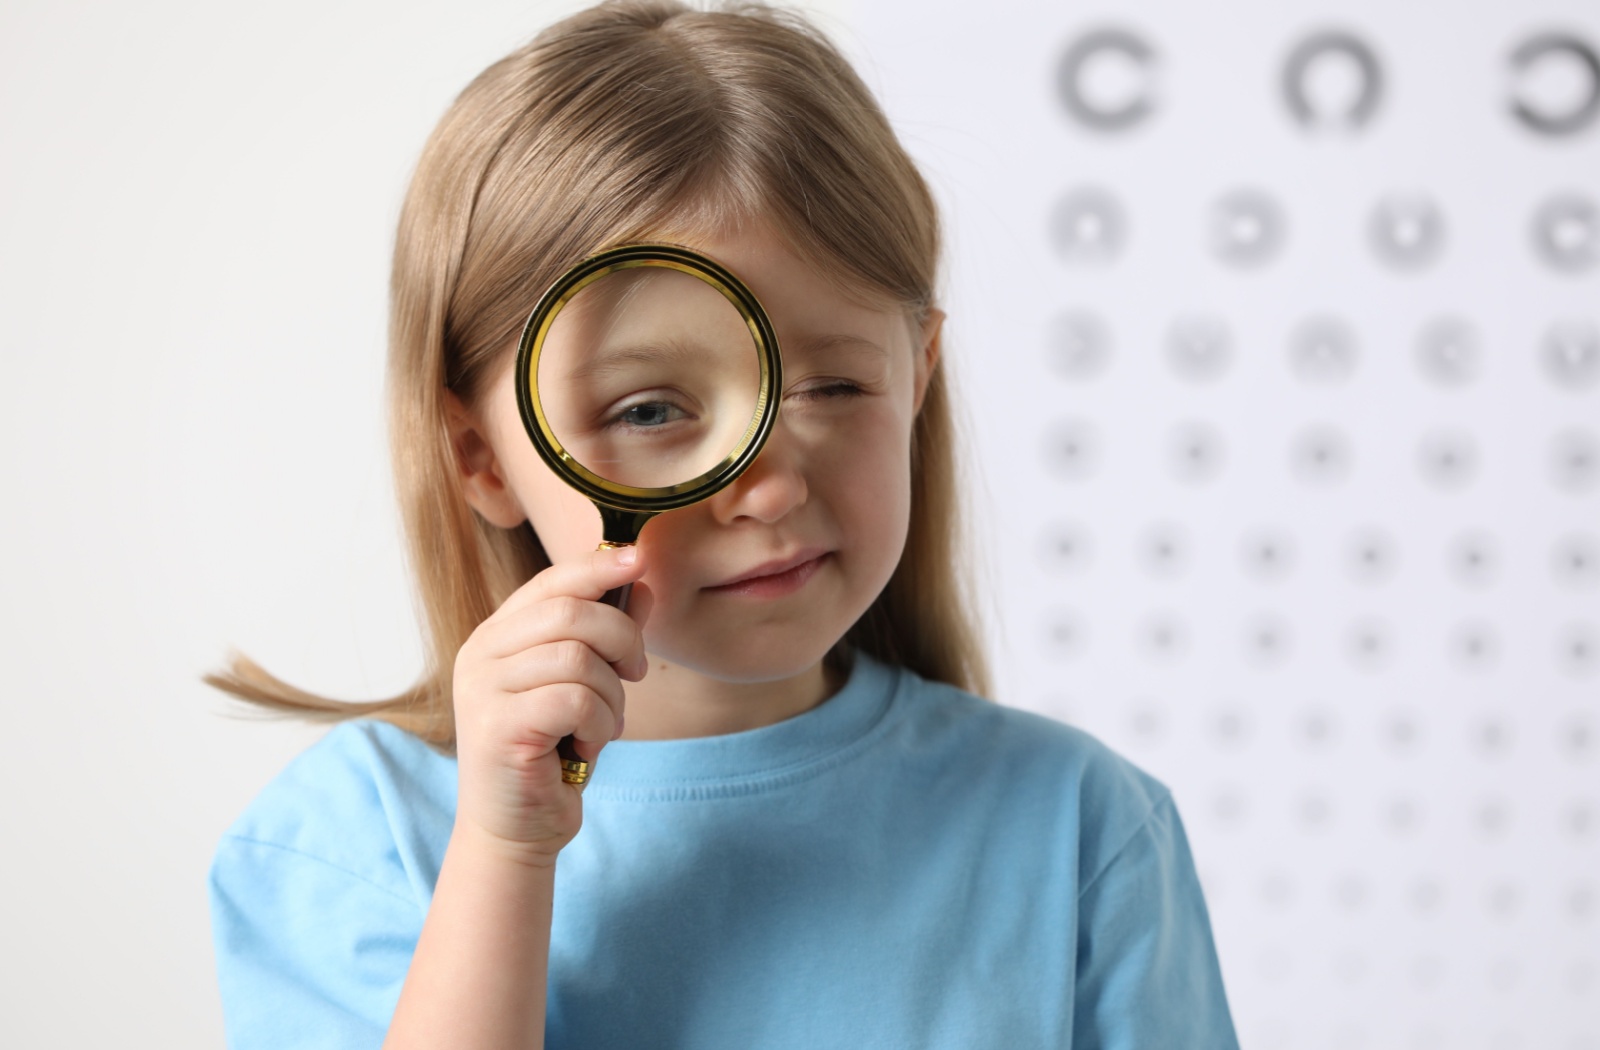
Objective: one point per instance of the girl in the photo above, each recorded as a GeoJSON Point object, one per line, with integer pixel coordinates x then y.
{"type": "Point", "coordinates": [803, 828]}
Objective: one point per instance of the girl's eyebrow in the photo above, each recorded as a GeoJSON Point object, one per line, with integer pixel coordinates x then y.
{"type": "Point", "coordinates": [614, 359]}
{"type": "Point", "coordinates": [812, 344]}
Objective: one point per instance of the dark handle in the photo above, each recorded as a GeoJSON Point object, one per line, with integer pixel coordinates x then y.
{"type": "Point", "coordinates": [575, 770]}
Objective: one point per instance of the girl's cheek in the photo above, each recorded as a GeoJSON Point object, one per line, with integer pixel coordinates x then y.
{"type": "Point", "coordinates": [869, 444]}
{"type": "Point", "coordinates": [567, 524]}
{"type": "Point", "coordinates": [665, 543]}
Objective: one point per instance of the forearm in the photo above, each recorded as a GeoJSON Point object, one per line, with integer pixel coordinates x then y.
{"type": "Point", "coordinates": [477, 978]}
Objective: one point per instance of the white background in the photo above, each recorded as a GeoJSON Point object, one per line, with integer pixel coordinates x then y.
{"type": "Point", "coordinates": [1399, 849]}
{"type": "Point", "coordinates": [196, 208]}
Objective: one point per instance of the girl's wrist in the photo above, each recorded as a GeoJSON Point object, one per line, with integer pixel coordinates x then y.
{"type": "Point", "coordinates": [486, 848]}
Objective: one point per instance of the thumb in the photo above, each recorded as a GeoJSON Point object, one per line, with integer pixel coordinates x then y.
{"type": "Point", "coordinates": [640, 603]}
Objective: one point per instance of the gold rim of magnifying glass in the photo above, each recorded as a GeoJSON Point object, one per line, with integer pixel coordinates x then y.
{"type": "Point", "coordinates": [632, 256]}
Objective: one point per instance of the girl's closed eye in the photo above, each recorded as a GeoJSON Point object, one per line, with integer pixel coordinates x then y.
{"type": "Point", "coordinates": [826, 389]}
{"type": "Point", "coordinates": [837, 369]}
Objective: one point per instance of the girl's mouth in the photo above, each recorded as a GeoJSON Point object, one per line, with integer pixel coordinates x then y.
{"type": "Point", "coordinates": [775, 579]}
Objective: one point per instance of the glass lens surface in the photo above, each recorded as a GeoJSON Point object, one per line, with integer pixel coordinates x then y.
{"type": "Point", "coordinates": [649, 377]}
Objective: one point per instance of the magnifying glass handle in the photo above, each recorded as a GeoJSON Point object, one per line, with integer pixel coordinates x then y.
{"type": "Point", "coordinates": [575, 770]}
{"type": "Point", "coordinates": [618, 597]}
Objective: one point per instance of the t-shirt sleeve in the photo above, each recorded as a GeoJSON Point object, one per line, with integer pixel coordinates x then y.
{"type": "Point", "coordinates": [309, 954]}
{"type": "Point", "coordinates": [1147, 971]}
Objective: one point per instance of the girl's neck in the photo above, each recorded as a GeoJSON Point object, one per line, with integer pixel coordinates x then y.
{"type": "Point", "coordinates": [674, 703]}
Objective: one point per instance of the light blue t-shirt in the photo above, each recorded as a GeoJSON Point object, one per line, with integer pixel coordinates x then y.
{"type": "Point", "coordinates": [905, 865]}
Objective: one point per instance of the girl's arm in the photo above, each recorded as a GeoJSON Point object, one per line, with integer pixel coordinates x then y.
{"type": "Point", "coordinates": [547, 664]}
{"type": "Point", "coordinates": [477, 979]}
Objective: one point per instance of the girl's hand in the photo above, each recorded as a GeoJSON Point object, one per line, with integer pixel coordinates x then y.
{"type": "Point", "coordinates": [549, 662]}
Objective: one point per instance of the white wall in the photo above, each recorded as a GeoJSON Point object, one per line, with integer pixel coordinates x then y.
{"type": "Point", "coordinates": [197, 204]}
{"type": "Point", "coordinates": [1400, 843]}
{"type": "Point", "coordinates": [196, 207]}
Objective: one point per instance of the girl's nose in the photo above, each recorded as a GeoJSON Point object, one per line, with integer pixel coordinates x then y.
{"type": "Point", "coordinates": [769, 488]}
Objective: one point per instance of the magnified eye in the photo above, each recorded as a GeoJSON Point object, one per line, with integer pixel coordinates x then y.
{"type": "Point", "coordinates": [651, 369]}
{"type": "Point", "coordinates": [647, 415]}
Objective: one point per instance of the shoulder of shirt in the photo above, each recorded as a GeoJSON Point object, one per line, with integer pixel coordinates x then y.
{"type": "Point", "coordinates": [1043, 765]}
{"type": "Point", "coordinates": [355, 799]}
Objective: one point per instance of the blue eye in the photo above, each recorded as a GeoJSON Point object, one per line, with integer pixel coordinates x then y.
{"type": "Point", "coordinates": [647, 415]}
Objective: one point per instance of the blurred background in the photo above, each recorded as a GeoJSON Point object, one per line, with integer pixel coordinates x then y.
{"type": "Point", "coordinates": [1277, 327]}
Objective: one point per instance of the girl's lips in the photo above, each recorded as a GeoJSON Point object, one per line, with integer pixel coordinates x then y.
{"type": "Point", "coordinates": [774, 579]}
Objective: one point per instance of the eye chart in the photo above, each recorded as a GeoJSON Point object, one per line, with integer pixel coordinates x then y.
{"type": "Point", "coordinates": [1278, 330]}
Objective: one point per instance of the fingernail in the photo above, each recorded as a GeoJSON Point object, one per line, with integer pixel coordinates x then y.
{"type": "Point", "coordinates": [621, 721]}
{"type": "Point", "coordinates": [627, 555]}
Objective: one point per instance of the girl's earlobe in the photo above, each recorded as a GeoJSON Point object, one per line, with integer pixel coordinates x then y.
{"type": "Point", "coordinates": [482, 481]}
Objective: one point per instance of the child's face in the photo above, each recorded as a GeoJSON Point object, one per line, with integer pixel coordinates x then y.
{"type": "Point", "coordinates": [831, 490]}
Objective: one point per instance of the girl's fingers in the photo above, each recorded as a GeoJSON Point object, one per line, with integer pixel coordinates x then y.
{"type": "Point", "coordinates": [589, 576]}
{"type": "Point", "coordinates": [565, 662]}
{"type": "Point", "coordinates": [550, 712]}
{"type": "Point", "coordinates": [612, 634]}
{"type": "Point", "coordinates": [639, 605]}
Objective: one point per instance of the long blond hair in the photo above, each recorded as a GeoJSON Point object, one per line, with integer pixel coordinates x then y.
{"type": "Point", "coordinates": [626, 118]}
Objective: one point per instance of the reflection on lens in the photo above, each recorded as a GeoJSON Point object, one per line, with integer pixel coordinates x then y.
{"type": "Point", "coordinates": [649, 377]}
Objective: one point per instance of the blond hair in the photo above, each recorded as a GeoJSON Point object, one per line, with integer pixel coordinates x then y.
{"type": "Point", "coordinates": [612, 125]}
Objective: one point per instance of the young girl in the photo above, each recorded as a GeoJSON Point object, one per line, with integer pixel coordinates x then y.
{"type": "Point", "coordinates": [804, 828]}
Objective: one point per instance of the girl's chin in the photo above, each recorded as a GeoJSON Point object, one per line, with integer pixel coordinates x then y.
{"type": "Point", "coordinates": [747, 662]}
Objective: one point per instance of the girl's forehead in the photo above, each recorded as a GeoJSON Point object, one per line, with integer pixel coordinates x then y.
{"type": "Point", "coordinates": [779, 266]}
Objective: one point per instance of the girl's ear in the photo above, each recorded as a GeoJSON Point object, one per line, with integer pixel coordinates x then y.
{"type": "Point", "coordinates": [482, 478]}
{"type": "Point", "coordinates": [927, 358]}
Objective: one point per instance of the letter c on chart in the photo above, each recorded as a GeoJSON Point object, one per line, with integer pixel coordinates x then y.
{"type": "Point", "coordinates": [1316, 47]}
{"type": "Point", "coordinates": [1070, 79]}
{"type": "Point", "coordinates": [1535, 50]}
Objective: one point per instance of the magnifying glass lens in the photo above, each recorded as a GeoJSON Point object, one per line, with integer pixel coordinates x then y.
{"type": "Point", "coordinates": [649, 377]}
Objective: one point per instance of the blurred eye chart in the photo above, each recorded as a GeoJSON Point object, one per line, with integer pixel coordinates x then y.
{"type": "Point", "coordinates": [1277, 328]}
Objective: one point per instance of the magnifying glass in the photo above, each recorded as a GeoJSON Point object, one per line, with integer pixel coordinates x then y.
{"type": "Point", "coordinates": [647, 378]}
